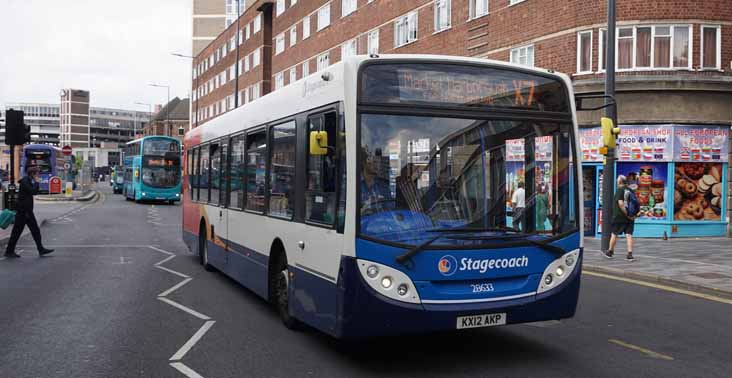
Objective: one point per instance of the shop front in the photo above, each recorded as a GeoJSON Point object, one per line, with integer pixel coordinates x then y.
{"type": "Point", "coordinates": [679, 174]}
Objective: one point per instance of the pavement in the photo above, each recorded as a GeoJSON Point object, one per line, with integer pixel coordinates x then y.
{"type": "Point", "coordinates": [703, 264]}
{"type": "Point", "coordinates": [123, 297]}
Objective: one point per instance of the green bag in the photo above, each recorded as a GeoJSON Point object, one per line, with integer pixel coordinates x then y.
{"type": "Point", "coordinates": [7, 217]}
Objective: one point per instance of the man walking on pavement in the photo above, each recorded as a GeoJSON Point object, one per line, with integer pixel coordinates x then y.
{"type": "Point", "coordinates": [24, 216]}
{"type": "Point", "coordinates": [622, 222]}
{"type": "Point", "coordinates": [518, 204]}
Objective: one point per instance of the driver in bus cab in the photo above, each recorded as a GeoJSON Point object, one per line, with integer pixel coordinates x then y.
{"type": "Point", "coordinates": [375, 191]}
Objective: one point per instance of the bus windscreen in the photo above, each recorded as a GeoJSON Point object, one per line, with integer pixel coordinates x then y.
{"type": "Point", "coordinates": [453, 85]}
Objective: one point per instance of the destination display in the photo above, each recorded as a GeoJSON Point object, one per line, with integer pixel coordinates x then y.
{"type": "Point", "coordinates": [459, 85]}
{"type": "Point", "coordinates": [160, 162]}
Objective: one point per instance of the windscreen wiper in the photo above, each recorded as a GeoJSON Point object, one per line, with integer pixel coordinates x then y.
{"type": "Point", "coordinates": [404, 257]}
{"type": "Point", "coordinates": [476, 229]}
{"type": "Point", "coordinates": [541, 244]}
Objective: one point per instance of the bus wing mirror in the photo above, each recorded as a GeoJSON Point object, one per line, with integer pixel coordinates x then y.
{"type": "Point", "coordinates": [318, 143]}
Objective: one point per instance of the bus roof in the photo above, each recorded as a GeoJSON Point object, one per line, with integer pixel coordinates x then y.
{"type": "Point", "coordinates": [41, 147]}
{"type": "Point", "coordinates": [151, 137]}
{"type": "Point", "coordinates": [315, 91]}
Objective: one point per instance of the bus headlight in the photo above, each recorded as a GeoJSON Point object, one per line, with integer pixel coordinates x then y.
{"type": "Point", "coordinates": [383, 279]}
{"type": "Point", "coordinates": [143, 194]}
{"type": "Point", "coordinates": [558, 271]}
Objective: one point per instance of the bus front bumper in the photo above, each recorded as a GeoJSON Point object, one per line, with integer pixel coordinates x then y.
{"type": "Point", "coordinates": [364, 313]}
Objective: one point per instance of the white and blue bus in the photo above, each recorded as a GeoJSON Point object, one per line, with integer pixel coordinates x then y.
{"type": "Point", "coordinates": [46, 158]}
{"type": "Point", "coordinates": [152, 169]}
{"type": "Point", "coordinates": [388, 195]}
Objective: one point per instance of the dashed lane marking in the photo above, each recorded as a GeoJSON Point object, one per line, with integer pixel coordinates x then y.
{"type": "Point", "coordinates": [645, 351]}
{"type": "Point", "coordinates": [174, 288]}
{"type": "Point", "coordinates": [184, 308]}
{"type": "Point", "coordinates": [661, 287]}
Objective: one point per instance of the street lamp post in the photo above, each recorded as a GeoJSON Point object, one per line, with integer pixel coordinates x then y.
{"type": "Point", "coordinates": [167, 105]}
{"type": "Point", "coordinates": [149, 117]}
{"type": "Point", "coordinates": [195, 90]}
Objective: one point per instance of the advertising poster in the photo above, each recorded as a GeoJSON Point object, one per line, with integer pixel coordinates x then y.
{"type": "Point", "coordinates": [649, 181]}
{"type": "Point", "coordinates": [590, 143]}
{"type": "Point", "coordinates": [698, 191]}
{"type": "Point", "coordinates": [514, 175]}
{"type": "Point", "coordinates": [543, 149]}
{"type": "Point", "coordinates": [704, 144]}
{"type": "Point", "coordinates": [645, 143]}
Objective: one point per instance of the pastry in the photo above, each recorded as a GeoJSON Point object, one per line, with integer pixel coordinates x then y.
{"type": "Point", "coordinates": [717, 190]}
{"type": "Point", "coordinates": [714, 172]}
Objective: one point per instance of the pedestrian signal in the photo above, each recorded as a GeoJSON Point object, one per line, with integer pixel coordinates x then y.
{"type": "Point", "coordinates": [609, 132]}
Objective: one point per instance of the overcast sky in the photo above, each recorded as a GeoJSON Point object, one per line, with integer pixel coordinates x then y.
{"type": "Point", "coordinates": [113, 48]}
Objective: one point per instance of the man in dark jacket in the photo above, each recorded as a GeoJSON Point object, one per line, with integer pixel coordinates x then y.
{"type": "Point", "coordinates": [24, 215]}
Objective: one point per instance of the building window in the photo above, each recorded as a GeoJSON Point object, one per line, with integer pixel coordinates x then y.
{"type": "Point", "coordinates": [405, 29]}
{"type": "Point", "coordinates": [293, 36]}
{"type": "Point", "coordinates": [373, 42]}
{"type": "Point", "coordinates": [711, 42]}
{"type": "Point", "coordinates": [523, 55]}
{"type": "Point", "coordinates": [649, 47]}
{"type": "Point", "coordinates": [306, 27]}
{"type": "Point", "coordinates": [256, 169]}
{"type": "Point", "coordinates": [279, 44]}
{"type": "Point", "coordinates": [348, 7]}
{"type": "Point", "coordinates": [442, 15]}
{"type": "Point", "coordinates": [279, 80]}
{"type": "Point", "coordinates": [246, 63]}
{"type": "Point", "coordinates": [512, 2]}
{"type": "Point", "coordinates": [306, 68]}
{"type": "Point", "coordinates": [257, 24]}
{"type": "Point", "coordinates": [478, 8]}
{"type": "Point", "coordinates": [293, 75]}
{"type": "Point", "coordinates": [324, 17]}
{"type": "Point", "coordinates": [644, 38]}
{"type": "Point", "coordinates": [292, 2]}
{"type": "Point", "coordinates": [349, 48]}
{"type": "Point", "coordinates": [280, 7]}
{"type": "Point", "coordinates": [232, 72]}
{"type": "Point", "coordinates": [255, 58]}
{"type": "Point", "coordinates": [247, 32]}
{"type": "Point", "coordinates": [282, 170]}
{"type": "Point", "coordinates": [255, 91]}
{"type": "Point", "coordinates": [323, 61]}
{"type": "Point", "coordinates": [584, 52]}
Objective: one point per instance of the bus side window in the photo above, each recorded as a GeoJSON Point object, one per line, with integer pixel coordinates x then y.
{"type": "Point", "coordinates": [255, 170]}
{"type": "Point", "coordinates": [320, 192]}
{"type": "Point", "coordinates": [203, 179]}
{"type": "Point", "coordinates": [215, 174]}
{"type": "Point", "coordinates": [223, 175]}
{"type": "Point", "coordinates": [194, 177]}
{"type": "Point", "coordinates": [237, 165]}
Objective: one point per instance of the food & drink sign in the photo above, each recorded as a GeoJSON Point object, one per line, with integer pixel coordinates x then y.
{"type": "Point", "coordinates": [645, 143]}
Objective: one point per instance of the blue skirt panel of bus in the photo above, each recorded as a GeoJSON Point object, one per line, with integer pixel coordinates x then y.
{"type": "Point", "coordinates": [364, 313]}
{"type": "Point", "coordinates": [248, 267]}
{"type": "Point", "coordinates": [448, 274]}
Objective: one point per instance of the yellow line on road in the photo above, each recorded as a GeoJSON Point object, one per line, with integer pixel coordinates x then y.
{"type": "Point", "coordinates": [661, 287]}
{"type": "Point", "coordinates": [648, 352]}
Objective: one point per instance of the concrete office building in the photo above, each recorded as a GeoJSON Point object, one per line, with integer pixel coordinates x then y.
{"type": "Point", "coordinates": [211, 17]}
{"type": "Point", "coordinates": [43, 120]}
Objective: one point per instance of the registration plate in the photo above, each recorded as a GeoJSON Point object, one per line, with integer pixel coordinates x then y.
{"type": "Point", "coordinates": [477, 321]}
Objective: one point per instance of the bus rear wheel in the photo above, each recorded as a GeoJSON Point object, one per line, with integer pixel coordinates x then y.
{"type": "Point", "coordinates": [203, 250]}
{"type": "Point", "coordinates": [281, 284]}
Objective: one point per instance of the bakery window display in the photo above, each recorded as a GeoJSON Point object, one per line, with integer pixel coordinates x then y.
{"type": "Point", "coordinates": [698, 192]}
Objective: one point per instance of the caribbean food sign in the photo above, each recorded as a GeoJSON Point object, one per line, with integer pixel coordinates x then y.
{"type": "Point", "coordinates": [701, 144]}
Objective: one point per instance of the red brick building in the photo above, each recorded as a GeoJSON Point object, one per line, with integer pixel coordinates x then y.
{"type": "Point", "coordinates": [674, 70]}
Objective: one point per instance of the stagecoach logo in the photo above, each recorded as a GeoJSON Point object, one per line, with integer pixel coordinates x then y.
{"type": "Point", "coordinates": [447, 265]}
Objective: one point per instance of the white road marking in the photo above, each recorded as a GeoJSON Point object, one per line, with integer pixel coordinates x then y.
{"type": "Point", "coordinates": [192, 341]}
{"type": "Point", "coordinates": [184, 308]}
{"type": "Point", "coordinates": [188, 372]}
{"type": "Point", "coordinates": [164, 260]}
{"type": "Point", "coordinates": [174, 288]}
{"type": "Point", "coordinates": [160, 250]}
{"type": "Point", "coordinates": [122, 261]}
{"type": "Point", "coordinates": [172, 271]}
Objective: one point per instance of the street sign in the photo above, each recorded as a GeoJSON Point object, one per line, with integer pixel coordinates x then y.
{"type": "Point", "coordinates": [54, 185]}
{"type": "Point", "coordinates": [69, 189]}
{"type": "Point", "coordinates": [67, 166]}
{"type": "Point", "coordinates": [66, 150]}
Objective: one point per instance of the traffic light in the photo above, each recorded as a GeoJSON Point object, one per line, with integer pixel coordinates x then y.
{"type": "Point", "coordinates": [16, 131]}
{"type": "Point", "coordinates": [609, 132]}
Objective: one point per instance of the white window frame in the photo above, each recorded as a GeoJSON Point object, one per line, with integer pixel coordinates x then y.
{"type": "Point", "coordinates": [323, 22]}
{"type": "Point", "coordinates": [323, 61]}
{"type": "Point", "coordinates": [514, 2]}
{"type": "Point", "coordinates": [257, 24]}
{"type": "Point", "coordinates": [349, 48]}
{"type": "Point", "coordinates": [579, 52]}
{"type": "Point", "coordinates": [525, 50]}
{"type": "Point", "coordinates": [473, 14]}
{"type": "Point", "coordinates": [403, 27]}
{"type": "Point", "coordinates": [719, 48]}
{"type": "Point", "coordinates": [293, 74]}
{"type": "Point", "coordinates": [293, 36]}
{"type": "Point", "coordinates": [306, 68]}
{"type": "Point", "coordinates": [246, 63]}
{"type": "Point", "coordinates": [256, 58]}
{"type": "Point", "coordinates": [279, 43]}
{"type": "Point", "coordinates": [306, 27]}
{"type": "Point", "coordinates": [292, 2]}
{"type": "Point", "coordinates": [373, 42]}
{"type": "Point", "coordinates": [654, 67]}
{"type": "Point", "coordinates": [280, 7]}
{"type": "Point", "coordinates": [247, 32]}
{"type": "Point", "coordinates": [447, 6]}
{"type": "Point", "coordinates": [346, 10]}
{"type": "Point", "coordinates": [279, 80]}
{"type": "Point", "coordinates": [255, 91]}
